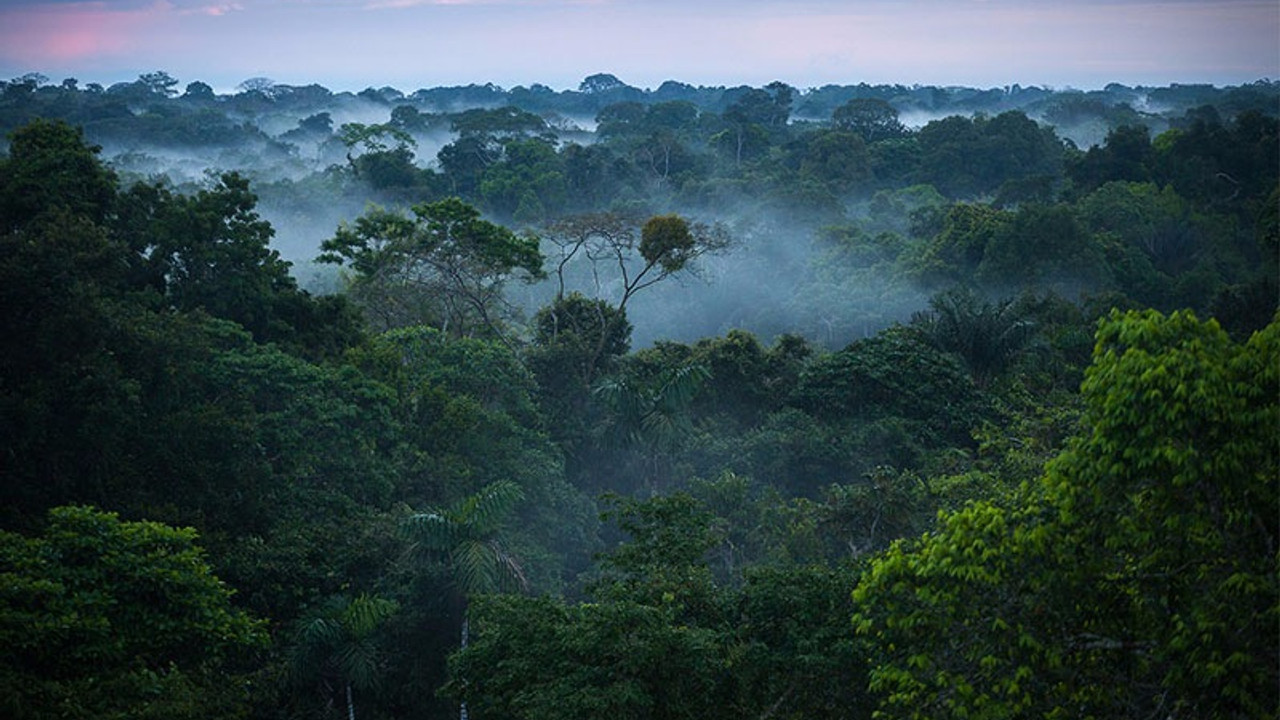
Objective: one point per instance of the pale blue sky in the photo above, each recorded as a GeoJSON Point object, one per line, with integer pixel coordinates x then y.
{"type": "Point", "coordinates": [409, 44]}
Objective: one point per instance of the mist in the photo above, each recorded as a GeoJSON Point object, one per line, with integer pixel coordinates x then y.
{"type": "Point", "coordinates": [783, 273]}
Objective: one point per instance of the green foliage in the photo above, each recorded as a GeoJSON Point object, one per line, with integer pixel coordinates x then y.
{"type": "Point", "coordinates": [1043, 247]}
{"type": "Point", "coordinates": [445, 266]}
{"type": "Point", "coordinates": [892, 375]}
{"type": "Point", "coordinates": [966, 158]}
{"type": "Point", "coordinates": [105, 618]}
{"type": "Point", "coordinates": [661, 640]}
{"type": "Point", "coordinates": [872, 119]}
{"type": "Point", "coordinates": [158, 360]}
{"type": "Point", "coordinates": [987, 336]}
{"type": "Point", "coordinates": [666, 240]}
{"type": "Point", "coordinates": [335, 647]}
{"type": "Point", "coordinates": [469, 535]}
{"type": "Point", "coordinates": [211, 251]}
{"type": "Point", "coordinates": [536, 659]}
{"type": "Point", "coordinates": [1160, 515]}
{"type": "Point", "coordinates": [374, 138]}
{"type": "Point", "coordinates": [575, 341]}
{"type": "Point", "coordinates": [954, 253]}
{"type": "Point", "coordinates": [50, 166]}
{"type": "Point", "coordinates": [1126, 156]}
{"type": "Point", "coordinates": [528, 185]}
{"type": "Point", "coordinates": [651, 416]}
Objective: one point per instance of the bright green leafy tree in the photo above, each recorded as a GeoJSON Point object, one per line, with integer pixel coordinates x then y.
{"type": "Point", "coordinates": [1139, 579]}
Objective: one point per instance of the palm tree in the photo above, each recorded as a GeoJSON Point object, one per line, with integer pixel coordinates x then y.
{"type": "Point", "coordinates": [336, 642]}
{"type": "Point", "coordinates": [654, 416]}
{"type": "Point", "coordinates": [469, 537]}
{"type": "Point", "coordinates": [987, 336]}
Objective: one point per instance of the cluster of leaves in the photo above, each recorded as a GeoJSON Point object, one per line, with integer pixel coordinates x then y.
{"type": "Point", "coordinates": [1134, 574]}
{"type": "Point", "coordinates": [105, 618]}
{"type": "Point", "coordinates": [1137, 578]}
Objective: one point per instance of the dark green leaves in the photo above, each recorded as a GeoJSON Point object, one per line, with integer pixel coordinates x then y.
{"type": "Point", "coordinates": [445, 267]}
{"type": "Point", "coordinates": [105, 618]}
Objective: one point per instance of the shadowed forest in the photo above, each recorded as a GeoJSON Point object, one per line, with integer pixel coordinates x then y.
{"type": "Point", "coordinates": [697, 402]}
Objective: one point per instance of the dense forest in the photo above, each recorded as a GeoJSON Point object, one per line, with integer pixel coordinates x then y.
{"type": "Point", "coordinates": [847, 402]}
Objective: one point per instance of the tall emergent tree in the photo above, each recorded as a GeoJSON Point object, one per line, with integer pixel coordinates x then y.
{"type": "Point", "coordinates": [445, 266]}
{"type": "Point", "coordinates": [666, 245]}
{"type": "Point", "coordinates": [620, 263]}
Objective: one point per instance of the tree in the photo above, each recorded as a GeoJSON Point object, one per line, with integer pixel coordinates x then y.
{"type": "Point", "coordinates": [872, 119]}
{"type": "Point", "coordinates": [1125, 156]}
{"type": "Point", "coordinates": [537, 659]}
{"type": "Point", "coordinates": [373, 140]}
{"type": "Point", "coordinates": [197, 90]}
{"type": "Point", "coordinates": [892, 375]}
{"type": "Point", "coordinates": [956, 249]}
{"type": "Point", "coordinates": [159, 83]}
{"type": "Point", "coordinates": [659, 639]}
{"type": "Point", "coordinates": [965, 157]}
{"type": "Point", "coordinates": [749, 116]}
{"type": "Point", "coordinates": [668, 245]}
{"type": "Point", "coordinates": [469, 537]}
{"type": "Point", "coordinates": [836, 158]}
{"type": "Point", "coordinates": [600, 83]}
{"type": "Point", "coordinates": [1137, 579]}
{"type": "Point", "coordinates": [987, 335]}
{"type": "Point", "coordinates": [1042, 246]}
{"type": "Point", "coordinates": [576, 339]}
{"type": "Point", "coordinates": [337, 642]}
{"type": "Point", "coordinates": [101, 617]}
{"type": "Point", "coordinates": [504, 123]}
{"type": "Point", "coordinates": [654, 416]}
{"type": "Point", "coordinates": [528, 184]}
{"type": "Point", "coordinates": [51, 166]}
{"type": "Point", "coordinates": [263, 85]}
{"type": "Point", "coordinates": [444, 266]}
{"type": "Point", "coordinates": [642, 651]}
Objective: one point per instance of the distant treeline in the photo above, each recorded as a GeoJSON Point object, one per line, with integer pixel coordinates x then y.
{"type": "Point", "coordinates": [598, 91]}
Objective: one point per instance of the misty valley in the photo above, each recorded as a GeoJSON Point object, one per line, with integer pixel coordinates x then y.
{"type": "Point", "coordinates": [702, 402]}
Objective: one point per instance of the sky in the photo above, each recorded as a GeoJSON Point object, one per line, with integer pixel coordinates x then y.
{"type": "Point", "coordinates": [411, 44]}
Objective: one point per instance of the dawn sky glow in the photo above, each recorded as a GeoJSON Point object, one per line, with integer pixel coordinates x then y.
{"type": "Point", "coordinates": [410, 44]}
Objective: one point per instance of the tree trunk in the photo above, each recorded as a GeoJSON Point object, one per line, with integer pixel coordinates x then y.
{"type": "Point", "coordinates": [351, 706]}
{"type": "Point", "coordinates": [466, 631]}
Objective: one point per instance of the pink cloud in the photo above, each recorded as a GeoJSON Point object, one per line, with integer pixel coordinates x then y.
{"type": "Point", "coordinates": [37, 35]}
{"type": "Point", "coordinates": [219, 9]}
{"type": "Point", "coordinates": [34, 35]}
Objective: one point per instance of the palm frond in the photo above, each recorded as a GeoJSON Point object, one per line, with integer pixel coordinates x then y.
{"type": "Point", "coordinates": [476, 567]}
{"type": "Point", "coordinates": [510, 569]}
{"type": "Point", "coordinates": [359, 663]}
{"type": "Point", "coordinates": [485, 510]}
{"type": "Point", "coordinates": [433, 530]}
{"type": "Point", "coordinates": [366, 613]}
{"type": "Point", "coordinates": [678, 388]}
